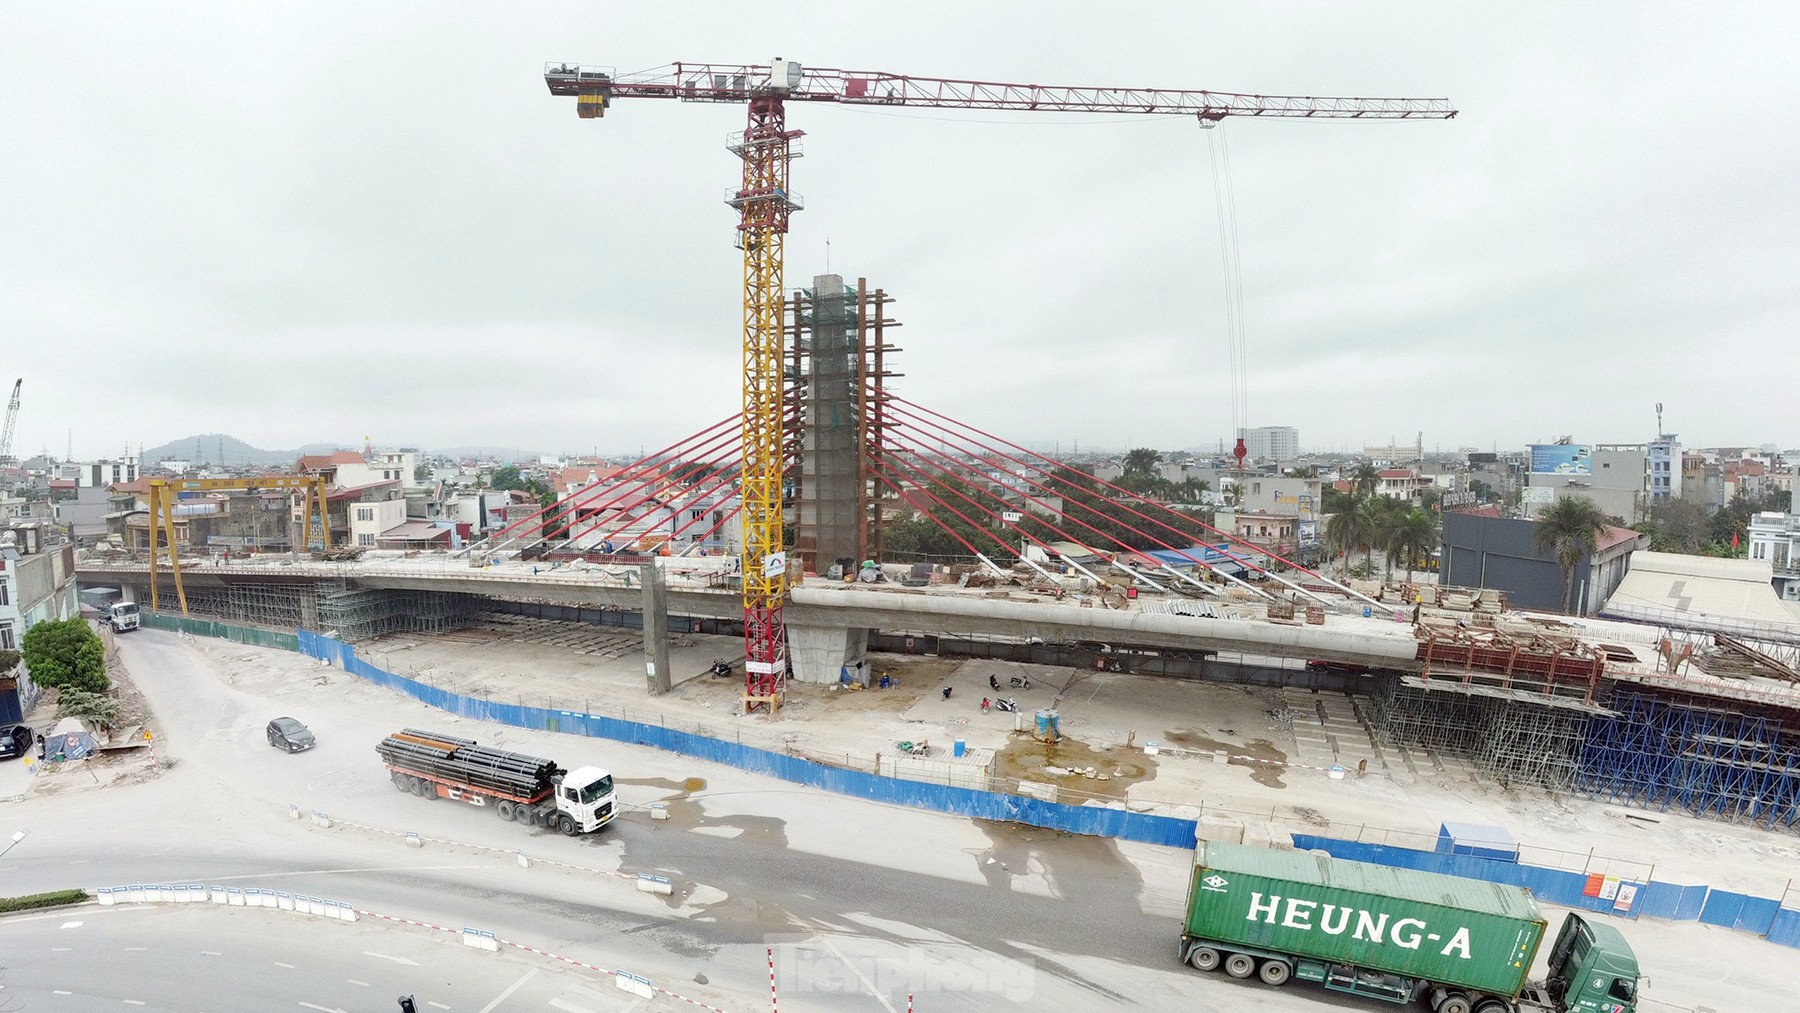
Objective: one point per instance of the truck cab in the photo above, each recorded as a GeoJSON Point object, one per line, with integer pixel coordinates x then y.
{"type": "Point", "coordinates": [1593, 969]}
{"type": "Point", "coordinates": [586, 794]}
{"type": "Point", "coordinates": [121, 616]}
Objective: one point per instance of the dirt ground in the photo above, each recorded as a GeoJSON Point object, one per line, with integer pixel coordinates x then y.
{"type": "Point", "coordinates": [124, 756]}
{"type": "Point", "coordinates": [1275, 777]}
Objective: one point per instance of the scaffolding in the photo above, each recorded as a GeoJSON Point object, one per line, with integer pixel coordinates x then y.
{"type": "Point", "coordinates": [837, 374]}
{"type": "Point", "coordinates": [1663, 752]}
{"type": "Point", "coordinates": [1514, 741]}
{"type": "Point", "coordinates": [351, 614]}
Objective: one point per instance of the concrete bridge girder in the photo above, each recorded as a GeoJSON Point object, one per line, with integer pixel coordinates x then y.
{"type": "Point", "coordinates": [826, 616]}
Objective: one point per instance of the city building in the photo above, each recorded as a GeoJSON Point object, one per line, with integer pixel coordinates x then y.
{"type": "Point", "coordinates": [1396, 455]}
{"type": "Point", "coordinates": [1612, 475]}
{"type": "Point", "coordinates": [1665, 464]}
{"type": "Point", "coordinates": [1485, 550]}
{"type": "Point", "coordinates": [1775, 539]}
{"type": "Point", "coordinates": [1280, 444]}
{"type": "Point", "coordinates": [37, 584]}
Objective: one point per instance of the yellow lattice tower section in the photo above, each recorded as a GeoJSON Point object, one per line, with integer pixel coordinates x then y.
{"type": "Point", "coordinates": [764, 204]}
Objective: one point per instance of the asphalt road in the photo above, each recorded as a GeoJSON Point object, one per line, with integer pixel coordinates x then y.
{"type": "Point", "coordinates": [183, 960]}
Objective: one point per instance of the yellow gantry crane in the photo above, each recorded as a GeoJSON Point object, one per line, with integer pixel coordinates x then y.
{"type": "Point", "coordinates": [165, 493]}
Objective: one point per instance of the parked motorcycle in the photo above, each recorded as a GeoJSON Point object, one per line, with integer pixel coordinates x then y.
{"type": "Point", "coordinates": [1021, 682]}
{"type": "Point", "coordinates": [1006, 703]}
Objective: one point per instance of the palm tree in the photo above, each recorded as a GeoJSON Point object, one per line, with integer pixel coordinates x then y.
{"type": "Point", "coordinates": [1568, 531]}
{"type": "Point", "coordinates": [1365, 479]}
{"type": "Point", "coordinates": [1355, 529]}
{"type": "Point", "coordinates": [1342, 534]}
{"type": "Point", "coordinates": [1382, 512]}
{"type": "Point", "coordinates": [1141, 461]}
{"type": "Point", "coordinates": [1412, 537]}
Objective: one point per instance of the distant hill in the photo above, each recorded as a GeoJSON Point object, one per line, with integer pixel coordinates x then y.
{"type": "Point", "coordinates": [218, 448]}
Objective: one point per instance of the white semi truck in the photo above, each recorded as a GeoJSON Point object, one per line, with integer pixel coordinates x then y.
{"type": "Point", "coordinates": [114, 610]}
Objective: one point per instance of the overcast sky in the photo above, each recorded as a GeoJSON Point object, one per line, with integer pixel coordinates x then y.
{"type": "Point", "coordinates": [320, 222]}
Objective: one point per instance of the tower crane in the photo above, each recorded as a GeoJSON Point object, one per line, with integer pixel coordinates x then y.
{"type": "Point", "coordinates": [12, 420]}
{"type": "Point", "coordinates": [764, 202]}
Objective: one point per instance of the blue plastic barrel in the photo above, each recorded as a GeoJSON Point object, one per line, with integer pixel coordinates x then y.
{"type": "Point", "coordinates": [958, 748]}
{"type": "Point", "coordinates": [1043, 723]}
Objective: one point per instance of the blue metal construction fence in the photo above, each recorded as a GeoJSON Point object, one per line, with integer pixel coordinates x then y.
{"type": "Point", "coordinates": [1097, 821]}
{"type": "Point", "coordinates": [1758, 915]}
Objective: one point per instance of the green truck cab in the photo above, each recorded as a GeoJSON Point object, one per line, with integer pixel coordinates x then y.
{"type": "Point", "coordinates": [1460, 945]}
{"type": "Point", "coordinates": [1592, 969]}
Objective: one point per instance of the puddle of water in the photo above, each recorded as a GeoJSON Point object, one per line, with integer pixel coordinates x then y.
{"type": "Point", "coordinates": [1261, 749]}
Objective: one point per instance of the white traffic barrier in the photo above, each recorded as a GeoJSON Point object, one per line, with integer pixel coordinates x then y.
{"type": "Point", "coordinates": [218, 894]}
{"type": "Point", "coordinates": [655, 884]}
{"type": "Point", "coordinates": [347, 913]}
{"type": "Point", "coordinates": [234, 896]}
{"type": "Point", "coordinates": [315, 906]}
{"type": "Point", "coordinates": [293, 811]}
{"type": "Point", "coordinates": [284, 900]}
{"type": "Point", "coordinates": [265, 897]}
{"type": "Point", "coordinates": [104, 896]}
{"type": "Point", "coordinates": [635, 984]}
{"type": "Point", "coordinates": [481, 940]}
{"type": "Point", "coordinates": [659, 810]}
{"type": "Point", "coordinates": [413, 841]}
{"type": "Point", "coordinates": [134, 894]}
{"type": "Point", "coordinates": [321, 819]}
{"type": "Point", "coordinates": [524, 863]}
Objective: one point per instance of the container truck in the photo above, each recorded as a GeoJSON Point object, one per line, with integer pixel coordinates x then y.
{"type": "Point", "coordinates": [1460, 945]}
{"type": "Point", "coordinates": [114, 610]}
{"type": "Point", "coordinates": [520, 788]}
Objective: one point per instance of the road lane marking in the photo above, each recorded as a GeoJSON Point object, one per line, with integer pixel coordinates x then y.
{"type": "Point", "coordinates": [71, 925]}
{"type": "Point", "coordinates": [397, 960]}
{"type": "Point", "coordinates": [514, 987]}
{"type": "Point", "coordinates": [288, 966]}
{"type": "Point", "coordinates": [130, 949]}
{"type": "Point", "coordinates": [322, 1009]}
{"type": "Point", "coordinates": [133, 1002]}
{"type": "Point", "coordinates": [209, 953]}
{"type": "Point", "coordinates": [61, 991]}
{"type": "Point", "coordinates": [439, 1005]}
{"type": "Point", "coordinates": [569, 1007]}
{"type": "Point", "coordinates": [59, 949]}
{"type": "Point", "coordinates": [353, 981]}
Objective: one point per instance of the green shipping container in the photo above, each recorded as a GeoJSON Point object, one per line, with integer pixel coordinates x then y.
{"type": "Point", "coordinates": [1422, 925]}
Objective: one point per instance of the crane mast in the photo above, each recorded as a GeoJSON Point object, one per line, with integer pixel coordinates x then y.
{"type": "Point", "coordinates": [764, 203]}
{"type": "Point", "coordinates": [12, 421]}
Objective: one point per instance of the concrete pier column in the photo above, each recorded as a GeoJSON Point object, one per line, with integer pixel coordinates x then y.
{"type": "Point", "coordinates": [820, 653]}
{"type": "Point", "coordinates": [656, 629]}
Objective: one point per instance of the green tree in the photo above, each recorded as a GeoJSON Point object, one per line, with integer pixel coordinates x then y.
{"type": "Point", "coordinates": [506, 478]}
{"type": "Point", "coordinates": [1412, 537]}
{"type": "Point", "coordinates": [1357, 529]}
{"type": "Point", "coordinates": [1365, 480]}
{"type": "Point", "coordinates": [1568, 531]}
{"type": "Point", "coordinates": [94, 708]}
{"type": "Point", "coordinates": [65, 654]}
{"type": "Point", "coordinates": [1142, 461]}
{"type": "Point", "coordinates": [1483, 492]}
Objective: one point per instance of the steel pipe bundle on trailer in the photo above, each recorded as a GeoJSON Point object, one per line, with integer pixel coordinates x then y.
{"type": "Point", "coordinates": [450, 758]}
